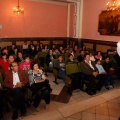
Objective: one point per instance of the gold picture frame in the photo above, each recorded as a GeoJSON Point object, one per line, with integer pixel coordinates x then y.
{"type": "Point", "coordinates": [109, 23]}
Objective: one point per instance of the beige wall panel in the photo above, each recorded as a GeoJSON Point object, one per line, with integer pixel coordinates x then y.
{"type": "Point", "coordinates": [102, 48]}
{"type": "Point", "coordinates": [45, 42]}
{"type": "Point", "coordinates": [4, 44]}
{"type": "Point", "coordinates": [19, 43]}
{"type": "Point", "coordinates": [57, 42]}
{"type": "Point", "coordinates": [88, 45]}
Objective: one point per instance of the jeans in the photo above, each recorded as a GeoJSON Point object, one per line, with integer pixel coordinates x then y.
{"type": "Point", "coordinates": [108, 78]}
{"type": "Point", "coordinates": [62, 73]}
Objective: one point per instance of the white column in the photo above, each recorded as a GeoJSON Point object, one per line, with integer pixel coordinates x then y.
{"type": "Point", "coordinates": [68, 21]}
{"type": "Point", "coordinates": [80, 20]}
{"type": "Point", "coordinates": [76, 19]}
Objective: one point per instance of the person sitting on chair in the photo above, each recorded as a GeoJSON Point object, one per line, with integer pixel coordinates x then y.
{"type": "Point", "coordinates": [90, 72]}
{"type": "Point", "coordinates": [15, 81]}
{"type": "Point", "coordinates": [71, 59]}
{"type": "Point", "coordinates": [6, 65]}
{"type": "Point", "coordinates": [38, 85]}
{"type": "Point", "coordinates": [61, 67]}
{"type": "Point", "coordinates": [26, 64]}
{"type": "Point", "coordinates": [49, 59]}
{"type": "Point", "coordinates": [106, 76]}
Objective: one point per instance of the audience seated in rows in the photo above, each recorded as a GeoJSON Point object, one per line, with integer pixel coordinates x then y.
{"type": "Point", "coordinates": [96, 75]}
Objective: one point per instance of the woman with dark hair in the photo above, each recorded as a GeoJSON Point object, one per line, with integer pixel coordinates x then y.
{"type": "Point", "coordinates": [19, 57]}
{"type": "Point", "coordinates": [49, 59]}
{"type": "Point", "coordinates": [32, 50]}
{"type": "Point", "coordinates": [45, 49]}
{"type": "Point", "coordinates": [98, 55]}
{"type": "Point", "coordinates": [38, 85]}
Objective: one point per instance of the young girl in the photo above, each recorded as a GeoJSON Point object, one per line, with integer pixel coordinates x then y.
{"type": "Point", "coordinates": [26, 64]}
{"type": "Point", "coordinates": [106, 76]}
{"type": "Point", "coordinates": [99, 55]}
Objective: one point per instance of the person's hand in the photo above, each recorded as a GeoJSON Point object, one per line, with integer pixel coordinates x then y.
{"type": "Point", "coordinates": [63, 69]}
{"type": "Point", "coordinates": [103, 73]}
{"type": "Point", "coordinates": [43, 77]}
{"type": "Point", "coordinates": [111, 68]}
{"type": "Point", "coordinates": [19, 84]}
{"type": "Point", "coordinates": [95, 74]}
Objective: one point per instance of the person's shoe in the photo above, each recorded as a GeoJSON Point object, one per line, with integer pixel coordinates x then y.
{"type": "Point", "coordinates": [22, 115]}
{"type": "Point", "coordinates": [111, 86]}
{"type": "Point", "coordinates": [35, 109]}
{"type": "Point", "coordinates": [107, 87]}
{"type": "Point", "coordinates": [15, 116]}
{"type": "Point", "coordinates": [89, 92]}
{"type": "Point", "coordinates": [93, 91]}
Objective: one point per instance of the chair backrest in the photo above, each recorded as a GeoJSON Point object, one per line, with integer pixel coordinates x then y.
{"type": "Point", "coordinates": [72, 68]}
{"type": "Point", "coordinates": [56, 56]}
{"type": "Point", "coordinates": [41, 54]}
{"type": "Point", "coordinates": [54, 62]}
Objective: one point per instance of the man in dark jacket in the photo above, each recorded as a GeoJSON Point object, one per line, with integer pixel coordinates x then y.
{"type": "Point", "coordinates": [91, 74]}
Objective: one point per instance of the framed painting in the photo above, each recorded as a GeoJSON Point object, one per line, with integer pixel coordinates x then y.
{"type": "Point", "coordinates": [109, 23]}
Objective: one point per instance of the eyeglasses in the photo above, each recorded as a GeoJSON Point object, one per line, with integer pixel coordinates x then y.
{"type": "Point", "coordinates": [15, 66]}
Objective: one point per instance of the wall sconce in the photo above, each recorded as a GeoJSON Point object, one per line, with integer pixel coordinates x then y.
{"type": "Point", "coordinates": [18, 10]}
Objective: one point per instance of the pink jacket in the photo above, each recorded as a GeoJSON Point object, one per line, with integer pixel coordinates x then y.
{"type": "Point", "coordinates": [24, 66]}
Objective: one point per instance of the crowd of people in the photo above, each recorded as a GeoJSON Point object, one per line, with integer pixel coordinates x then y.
{"type": "Point", "coordinates": [21, 70]}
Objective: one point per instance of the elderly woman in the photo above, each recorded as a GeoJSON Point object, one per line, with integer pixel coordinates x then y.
{"type": "Point", "coordinates": [38, 85]}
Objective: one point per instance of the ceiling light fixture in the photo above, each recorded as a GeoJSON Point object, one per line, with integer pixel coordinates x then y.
{"type": "Point", "coordinates": [18, 10]}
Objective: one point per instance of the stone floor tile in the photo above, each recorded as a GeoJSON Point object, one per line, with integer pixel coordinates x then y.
{"type": "Point", "coordinates": [51, 115]}
{"type": "Point", "coordinates": [88, 116]}
{"type": "Point", "coordinates": [80, 106]}
{"type": "Point", "coordinates": [91, 110]}
{"type": "Point", "coordinates": [102, 117]}
{"type": "Point", "coordinates": [113, 105]}
{"type": "Point", "coordinates": [113, 118]}
{"type": "Point", "coordinates": [118, 99]}
{"type": "Point", "coordinates": [76, 116]}
{"type": "Point", "coordinates": [71, 118]}
{"type": "Point", "coordinates": [76, 96]}
{"type": "Point", "coordinates": [102, 111]}
{"type": "Point", "coordinates": [63, 119]}
{"type": "Point", "coordinates": [114, 100]}
{"type": "Point", "coordinates": [114, 112]}
{"type": "Point", "coordinates": [110, 95]}
{"type": "Point", "coordinates": [103, 105]}
{"type": "Point", "coordinates": [58, 104]}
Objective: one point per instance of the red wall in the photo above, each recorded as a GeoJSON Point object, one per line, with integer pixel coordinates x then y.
{"type": "Point", "coordinates": [39, 20]}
